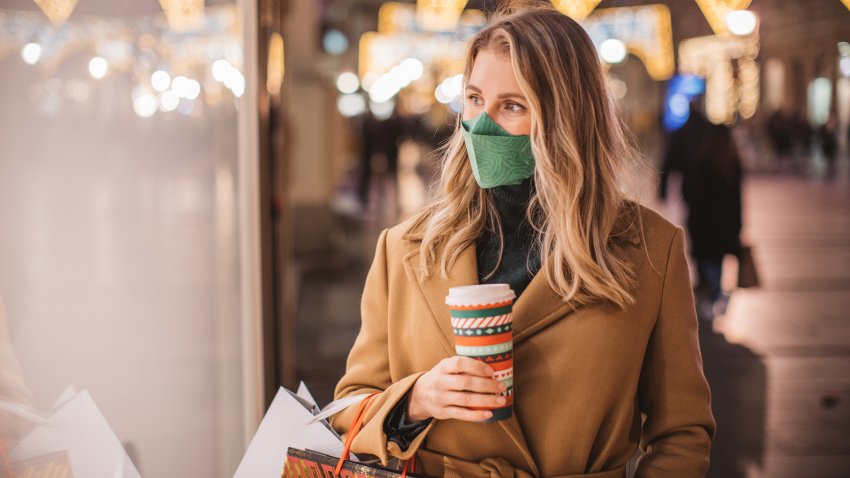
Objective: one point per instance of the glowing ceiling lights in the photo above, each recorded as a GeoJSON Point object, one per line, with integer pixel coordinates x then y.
{"type": "Point", "coordinates": [169, 100]}
{"type": "Point", "coordinates": [715, 12]}
{"type": "Point", "coordinates": [98, 66]}
{"type": "Point", "coordinates": [183, 15]}
{"type": "Point", "coordinates": [646, 32]}
{"type": "Point", "coordinates": [449, 89]}
{"type": "Point", "coordinates": [390, 83]}
{"type": "Point", "coordinates": [347, 82]}
{"type": "Point", "coordinates": [439, 15]}
{"type": "Point", "coordinates": [160, 80]}
{"type": "Point", "coordinates": [275, 69]}
{"type": "Point", "coordinates": [578, 10]}
{"type": "Point", "coordinates": [31, 53]}
{"type": "Point", "coordinates": [741, 22]}
{"type": "Point", "coordinates": [145, 105]}
{"type": "Point", "coordinates": [613, 51]}
{"type": "Point", "coordinates": [844, 65]}
{"type": "Point", "coordinates": [186, 87]}
{"type": "Point", "coordinates": [230, 76]}
{"type": "Point", "coordinates": [57, 11]}
{"type": "Point", "coordinates": [727, 94]}
{"type": "Point", "coordinates": [351, 104]}
{"type": "Point", "coordinates": [404, 56]}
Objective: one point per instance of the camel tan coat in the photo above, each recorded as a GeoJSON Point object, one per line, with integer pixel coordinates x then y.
{"type": "Point", "coordinates": [583, 375]}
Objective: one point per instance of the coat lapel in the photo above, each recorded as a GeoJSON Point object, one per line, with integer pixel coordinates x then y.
{"type": "Point", "coordinates": [435, 289]}
{"type": "Point", "coordinates": [537, 307]}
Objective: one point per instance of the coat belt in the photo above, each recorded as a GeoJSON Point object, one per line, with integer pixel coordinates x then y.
{"type": "Point", "coordinates": [436, 464]}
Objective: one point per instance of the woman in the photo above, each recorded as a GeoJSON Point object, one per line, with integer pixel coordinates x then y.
{"type": "Point", "coordinates": [604, 326]}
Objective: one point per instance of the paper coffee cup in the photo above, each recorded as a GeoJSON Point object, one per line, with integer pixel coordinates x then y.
{"type": "Point", "coordinates": [482, 326]}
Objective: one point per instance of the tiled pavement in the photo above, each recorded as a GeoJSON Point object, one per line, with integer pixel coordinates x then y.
{"type": "Point", "coordinates": [778, 361]}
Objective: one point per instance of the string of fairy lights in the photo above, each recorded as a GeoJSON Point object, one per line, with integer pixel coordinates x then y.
{"type": "Point", "coordinates": [190, 56]}
{"type": "Point", "coordinates": [179, 62]}
{"type": "Point", "coordinates": [435, 32]}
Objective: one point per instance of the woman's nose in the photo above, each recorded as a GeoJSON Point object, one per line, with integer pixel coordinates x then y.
{"type": "Point", "coordinates": [493, 113]}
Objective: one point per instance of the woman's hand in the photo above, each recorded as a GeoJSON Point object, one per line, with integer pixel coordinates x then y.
{"type": "Point", "coordinates": [457, 387]}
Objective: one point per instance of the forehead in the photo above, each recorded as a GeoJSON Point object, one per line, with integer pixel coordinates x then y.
{"type": "Point", "coordinates": [492, 73]}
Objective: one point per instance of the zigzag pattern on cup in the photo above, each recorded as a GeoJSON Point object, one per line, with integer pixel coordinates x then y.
{"type": "Point", "coordinates": [481, 322]}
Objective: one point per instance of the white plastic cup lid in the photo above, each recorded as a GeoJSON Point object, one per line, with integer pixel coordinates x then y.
{"type": "Point", "coordinates": [481, 294]}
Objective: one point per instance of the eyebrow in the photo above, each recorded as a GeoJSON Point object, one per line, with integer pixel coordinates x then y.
{"type": "Point", "coordinates": [501, 96]}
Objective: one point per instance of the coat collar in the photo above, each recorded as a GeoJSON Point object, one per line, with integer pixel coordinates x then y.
{"type": "Point", "coordinates": [627, 230]}
{"type": "Point", "coordinates": [535, 309]}
{"type": "Point", "coordinates": [538, 307]}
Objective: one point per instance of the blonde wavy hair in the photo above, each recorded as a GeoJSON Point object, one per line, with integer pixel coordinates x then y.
{"type": "Point", "coordinates": [580, 147]}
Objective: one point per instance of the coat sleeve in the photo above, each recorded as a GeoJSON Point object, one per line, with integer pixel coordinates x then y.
{"type": "Point", "coordinates": [368, 370]}
{"type": "Point", "coordinates": [673, 392]}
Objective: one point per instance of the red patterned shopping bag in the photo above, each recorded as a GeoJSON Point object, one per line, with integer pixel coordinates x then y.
{"type": "Point", "coordinates": [312, 464]}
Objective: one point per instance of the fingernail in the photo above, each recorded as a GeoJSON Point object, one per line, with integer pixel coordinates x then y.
{"type": "Point", "coordinates": [489, 371]}
{"type": "Point", "coordinates": [502, 387]}
{"type": "Point", "coordinates": [501, 400]}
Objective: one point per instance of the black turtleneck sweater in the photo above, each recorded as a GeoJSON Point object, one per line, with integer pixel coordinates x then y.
{"type": "Point", "coordinates": [520, 262]}
{"type": "Point", "coordinates": [520, 259]}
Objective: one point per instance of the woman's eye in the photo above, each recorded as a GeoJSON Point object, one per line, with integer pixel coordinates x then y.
{"type": "Point", "coordinates": [474, 99]}
{"type": "Point", "coordinates": [514, 107]}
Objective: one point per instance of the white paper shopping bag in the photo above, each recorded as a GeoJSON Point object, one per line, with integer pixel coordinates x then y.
{"type": "Point", "coordinates": [77, 426]}
{"type": "Point", "coordinates": [289, 422]}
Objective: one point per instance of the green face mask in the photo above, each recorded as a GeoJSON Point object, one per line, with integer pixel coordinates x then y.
{"type": "Point", "coordinates": [497, 157]}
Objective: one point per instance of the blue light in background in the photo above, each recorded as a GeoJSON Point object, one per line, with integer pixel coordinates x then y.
{"type": "Point", "coordinates": [335, 42]}
{"type": "Point", "coordinates": [680, 90]}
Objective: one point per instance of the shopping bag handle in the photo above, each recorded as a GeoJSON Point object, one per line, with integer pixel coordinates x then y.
{"type": "Point", "coordinates": [354, 429]}
{"type": "Point", "coordinates": [356, 424]}
{"type": "Point", "coordinates": [412, 463]}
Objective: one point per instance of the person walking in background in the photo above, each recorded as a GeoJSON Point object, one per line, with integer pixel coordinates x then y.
{"type": "Point", "coordinates": [707, 159]}
{"type": "Point", "coordinates": [828, 136]}
{"type": "Point", "coordinates": [803, 134]}
{"type": "Point", "coordinates": [781, 137]}
{"type": "Point", "coordinates": [379, 138]}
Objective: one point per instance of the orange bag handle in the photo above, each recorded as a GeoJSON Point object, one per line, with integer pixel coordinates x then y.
{"type": "Point", "coordinates": [412, 463]}
{"type": "Point", "coordinates": [362, 409]}
{"type": "Point", "coordinates": [355, 428]}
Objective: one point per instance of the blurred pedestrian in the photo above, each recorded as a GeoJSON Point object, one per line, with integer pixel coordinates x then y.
{"type": "Point", "coordinates": [380, 140]}
{"type": "Point", "coordinates": [707, 159]}
{"type": "Point", "coordinates": [803, 135]}
{"type": "Point", "coordinates": [781, 137]}
{"type": "Point", "coordinates": [828, 136]}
